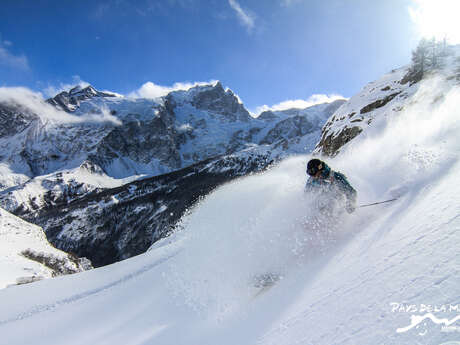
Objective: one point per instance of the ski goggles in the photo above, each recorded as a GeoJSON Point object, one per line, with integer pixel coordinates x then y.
{"type": "Point", "coordinates": [323, 168]}
{"type": "Point", "coordinates": [312, 171]}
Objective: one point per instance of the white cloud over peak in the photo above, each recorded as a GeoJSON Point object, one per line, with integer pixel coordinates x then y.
{"type": "Point", "coordinates": [152, 90]}
{"type": "Point", "coordinates": [245, 17]}
{"type": "Point", "coordinates": [34, 102]}
{"type": "Point", "coordinates": [299, 103]}
{"type": "Point", "coordinates": [8, 59]}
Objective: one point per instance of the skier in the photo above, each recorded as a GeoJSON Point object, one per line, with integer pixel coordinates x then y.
{"type": "Point", "coordinates": [330, 184]}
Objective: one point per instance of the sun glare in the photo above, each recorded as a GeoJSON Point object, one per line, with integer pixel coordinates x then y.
{"type": "Point", "coordinates": [437, 18]}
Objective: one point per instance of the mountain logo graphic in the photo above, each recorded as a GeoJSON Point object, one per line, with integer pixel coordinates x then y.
{"type": "Point", "coordinates": [417, 319]}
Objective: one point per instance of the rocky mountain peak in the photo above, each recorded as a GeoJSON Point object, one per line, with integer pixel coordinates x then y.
{"type": "Point", "coordinates": [212, 98]}
{"type": "Point", "coordinates": [267, 115]}
{"type": "Point", "coordinates": [216, 99]}
{"type": "Point", "coordinates": [216, 89]}
{"type": "Point", "coordinates": [87, 91]}
{"type": "Point", "coordinates": [70, 100]}
{"type": "Point", "coordinates": [75, 89]}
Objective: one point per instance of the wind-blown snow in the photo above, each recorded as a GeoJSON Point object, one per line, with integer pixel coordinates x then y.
{"type": "Point", "coordinates": [340, 281]}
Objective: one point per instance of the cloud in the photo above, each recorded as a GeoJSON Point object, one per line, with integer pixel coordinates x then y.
{"type": "Point", "coordinates": [35, 103]}
{"type": "Point", "coordinates": [53, 90]}
{"type": "Point", "coordinates": [299, 103]}
{"type": "Point", "coordinates": [245, 18]}
{"type": "Point", "coordinates": [152, 90]}
{"type": "Point", "coordinates": [10, 60]}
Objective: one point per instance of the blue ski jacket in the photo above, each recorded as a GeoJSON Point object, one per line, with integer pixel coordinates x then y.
{"type": "Point", "coordinates": [336, 184]}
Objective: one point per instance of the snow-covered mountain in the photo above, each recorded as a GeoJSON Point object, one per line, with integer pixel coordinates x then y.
{"type": "Point", "coordinates": [127, 137]}
{"type": "Point", "coordinates": [123, 137]}
{"type": "Point", "coordinates": [27, 256]}
{"type": "Point", "coordinates": [82, 144]}
{"type": "Point", "coordinates": [71, 101]}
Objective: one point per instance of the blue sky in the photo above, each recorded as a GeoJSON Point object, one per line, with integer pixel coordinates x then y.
{"type": "Point", "coordinates": [266, 51]}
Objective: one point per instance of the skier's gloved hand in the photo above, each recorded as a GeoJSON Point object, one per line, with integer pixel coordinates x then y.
{"type": "Point", "coordinates": [350, 207]}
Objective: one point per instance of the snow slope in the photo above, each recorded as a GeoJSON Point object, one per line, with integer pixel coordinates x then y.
{"type": "Point", "coordinates": [358, 280]}
{"type": "Point", "coordinates": [17, 237]}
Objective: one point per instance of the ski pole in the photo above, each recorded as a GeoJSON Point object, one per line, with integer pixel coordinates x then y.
{"type": "Point", "coordinates": [376, 203]}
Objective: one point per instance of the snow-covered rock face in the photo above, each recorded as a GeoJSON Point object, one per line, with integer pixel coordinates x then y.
{"type": "Point", "coordinates": [297, 122]}
{"type": "Point", "coordinates": [376, 99]}
{"type": "Point", "coordinates": [381, 98]}
{"type": "Point", "coordinates": [215, 99]}
{"type": "Point", "coordinates": [14, 119]}
{"type": "Point", "coordinates": [27, 256]}
{"type": "Point", "coordinates": [70, 101]}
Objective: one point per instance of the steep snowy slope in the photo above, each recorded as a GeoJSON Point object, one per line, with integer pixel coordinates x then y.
{"type": "Point", "coordinates": [27, 256]}
{"type": "Point", "coordinates": [368, 278]}
{"type": "Point", "coordinates": [381, 99]}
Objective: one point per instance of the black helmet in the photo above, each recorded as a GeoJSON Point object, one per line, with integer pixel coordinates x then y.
{"type": "Point", "coordinates": [315, 165]}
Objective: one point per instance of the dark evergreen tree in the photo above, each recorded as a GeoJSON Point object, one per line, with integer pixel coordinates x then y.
{"type": "Point", "coordinates": [420, 59]}
{"type": "Point", "coordinates": [428, 55]}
